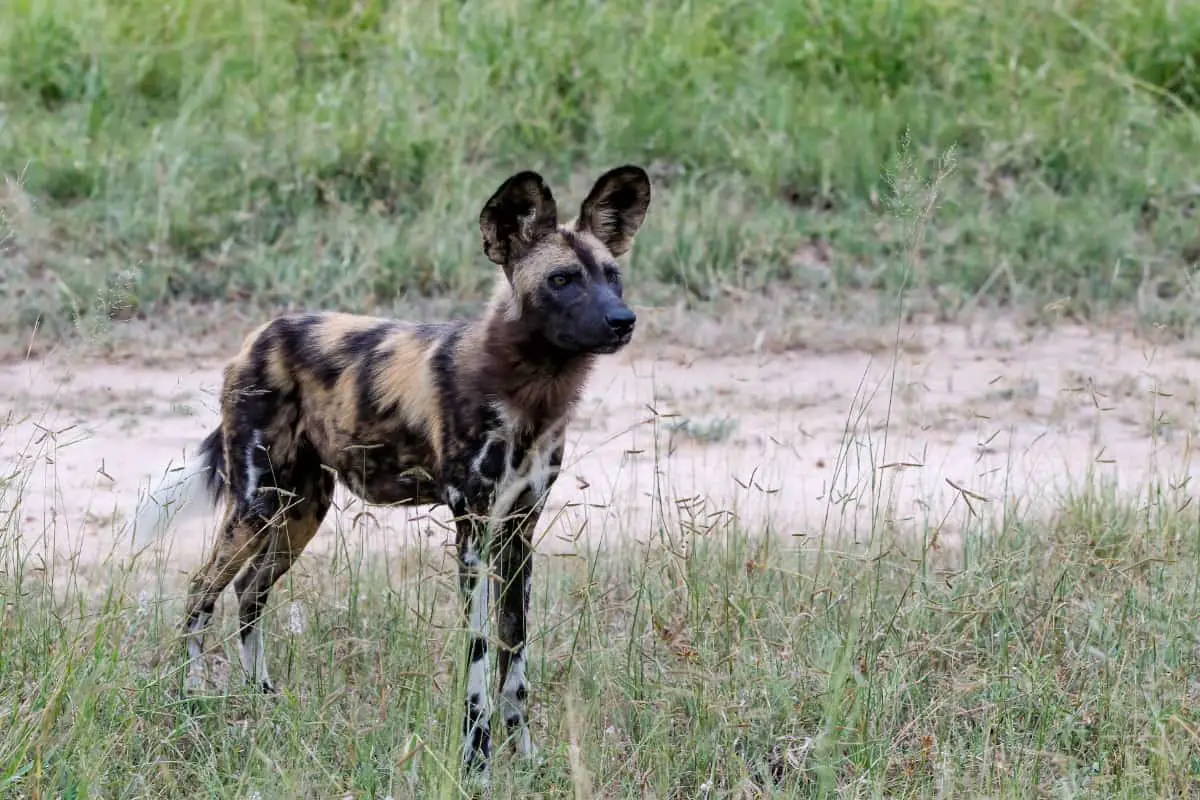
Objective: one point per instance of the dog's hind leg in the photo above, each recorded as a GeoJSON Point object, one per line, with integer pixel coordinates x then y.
{"type": "Point", "coordinates": [296, 524]}
{"type": "Point", "coordinates": [237, 540]}
{"type": "Point", "coordinates": [253, 586]}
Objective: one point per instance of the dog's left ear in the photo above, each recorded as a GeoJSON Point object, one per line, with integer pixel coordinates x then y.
{"type": "Point", "coordinates": [616, 207]}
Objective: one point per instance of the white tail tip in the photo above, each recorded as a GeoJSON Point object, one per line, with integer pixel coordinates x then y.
{"type": "Point", "coordinates": [178, 495]}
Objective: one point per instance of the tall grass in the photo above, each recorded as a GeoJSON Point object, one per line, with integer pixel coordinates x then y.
{"type": "Point", "coordinates": [1047, 655]}
{"type": "Point", "coordinates": [1050, 656]}
{"type": "Point", "coordinates": [294, 151]}
{"type": "Point", "coordinates": [338, 152]}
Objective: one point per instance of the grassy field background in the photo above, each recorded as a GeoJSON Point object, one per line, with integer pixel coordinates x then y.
{"type": "Point", "coordinates": [1050, 659]}
{"type": "Point", "coordinates": [216, 154]}
{"type": "Point", "coordinates": [290, 151]}
{"type": "Point", "coordinates": [1050, 656]}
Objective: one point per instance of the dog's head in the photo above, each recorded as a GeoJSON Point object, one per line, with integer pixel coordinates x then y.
{"type": "Point", "coordinates": [566, 283]}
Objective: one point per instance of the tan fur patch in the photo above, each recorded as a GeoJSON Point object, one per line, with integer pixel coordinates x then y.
{"type": "Point", "coordinates": [409, 383]}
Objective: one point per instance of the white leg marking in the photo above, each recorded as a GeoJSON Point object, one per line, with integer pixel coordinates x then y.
{"type": "Point", "coordinates": [478, 695]}
{"type": "Point", "coordinates": [194, 680]}
{"type": "Point", "coordinates": [252, 471]}
{"type": "Point", "coordinates": [254, 657]}
{"type": "Point", "coordinates": [478, 674]}
{"type": "Point", "coordinates": [512, 706]}
{"type": "Point", "coordinates": [195, 634]}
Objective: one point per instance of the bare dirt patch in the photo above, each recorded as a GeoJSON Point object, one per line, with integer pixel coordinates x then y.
{"type": "Point", "coordinates": [922, 428]}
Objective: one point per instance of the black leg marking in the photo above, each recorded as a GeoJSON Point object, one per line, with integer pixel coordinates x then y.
{"type": "Point", "coordinates": [516, 575]}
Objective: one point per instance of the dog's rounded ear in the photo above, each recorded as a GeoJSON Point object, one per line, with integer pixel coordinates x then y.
{"type": "Point", "coordinates": [516, 217]}
{"type": "Point", "coordinates": [616, 207]}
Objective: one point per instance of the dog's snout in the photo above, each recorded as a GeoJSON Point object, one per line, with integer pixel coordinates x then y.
{"type": "Point", "coordinates": [621, 320]}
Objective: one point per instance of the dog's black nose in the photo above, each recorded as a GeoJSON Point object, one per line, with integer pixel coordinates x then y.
{"type": "Point", "coordinates": [620, 320]}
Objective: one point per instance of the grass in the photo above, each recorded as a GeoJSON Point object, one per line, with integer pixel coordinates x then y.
{"type": "Point", "coordinates": [295, 152]}
{"type": "Point", "coordinates": [1045, 655]}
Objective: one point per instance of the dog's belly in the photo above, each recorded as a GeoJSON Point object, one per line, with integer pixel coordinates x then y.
{"type": "Point", "coordinates": [396, 491]}
{"type": "Point", "coordinates": [383, 475]}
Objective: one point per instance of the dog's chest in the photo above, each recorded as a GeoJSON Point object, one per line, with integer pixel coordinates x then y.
{"type": "Point", "coordinates": [506, 461]}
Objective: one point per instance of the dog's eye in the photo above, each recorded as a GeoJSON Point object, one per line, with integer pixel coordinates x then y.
{"type": "Point", "coordinates": [559, 280]}
{"type": "Point", "coordinates": [612, 275]}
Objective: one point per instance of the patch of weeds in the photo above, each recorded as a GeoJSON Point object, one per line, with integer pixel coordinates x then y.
{"type": "Point", "coordinates": [706, 432]}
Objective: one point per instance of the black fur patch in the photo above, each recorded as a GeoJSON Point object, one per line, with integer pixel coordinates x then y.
{"type": "Point", "coordinates": [212, 455]}
{"type": "Point", "coordinates": [312, 484]}
{"type": "Point", "coordinates": [518, 454]}
{"type": "Point", "coordinates": [358, 343]}
{"type": "Point", "coordinates": [298, 345]}
{"type": "Point", "coordinates": [444, 368]}
{"type": "Point", "coordinates": [381, 476]}
{"type": "Point", "coordinates": [363, 346]}
{"type": "Point", "coordinates": [480, 746]}
{"type": "Point", "coordinates": [370, 366]}
{"type": "Point", "coordinates": [491, 466]}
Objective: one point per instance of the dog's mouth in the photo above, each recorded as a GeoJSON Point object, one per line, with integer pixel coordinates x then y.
{"type": "Point", "coordinates": [614, 344]}
{"type": "Point", "coordinates": [597, 346]}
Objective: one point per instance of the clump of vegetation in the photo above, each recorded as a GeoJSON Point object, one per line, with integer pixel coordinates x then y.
{"type": "Point", "coordinates": [293, 151]}
{"type": "Point", "coordinates": [1052, 653]}
{"type": "Point", "coordinates": [336, 152]}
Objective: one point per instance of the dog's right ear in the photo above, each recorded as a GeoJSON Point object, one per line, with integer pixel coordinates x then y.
{"type": "Point", "coordinates": [516, 217]}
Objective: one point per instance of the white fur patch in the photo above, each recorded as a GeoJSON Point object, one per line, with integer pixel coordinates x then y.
{"type": "Point", "coordinates": [174, 497]}
{"type": "Point", "coordinates": [253, 473]}
{"type": "Point", "coordinates": [254, 656]}
{"type": "Point", "coordinates": [477, 625]}
{"type": "Point", "coordinates": [478, 617]}
{"type": "Point", "coordinates": [477, 462]}
{"type": "Point", "coordinates": [195, 633]}
{"type": "Point", "coordinates": [511, 705]}
{"type": "Point", "coordinates": [535, 474]}
{"type": "Point", "coordinates": [194, 680]}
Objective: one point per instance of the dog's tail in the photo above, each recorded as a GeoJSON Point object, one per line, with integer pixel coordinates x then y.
{"type": "Point", "coordinates": [179, 493]}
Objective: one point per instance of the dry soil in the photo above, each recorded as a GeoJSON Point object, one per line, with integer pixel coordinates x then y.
{"type": "Point", "coordinates": [923, 427]}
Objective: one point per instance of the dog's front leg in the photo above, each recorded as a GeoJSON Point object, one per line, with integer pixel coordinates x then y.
{"type": "Point", "coordinates": [516, 574]}
{"type": "Point", "coordinates": [474, 584]}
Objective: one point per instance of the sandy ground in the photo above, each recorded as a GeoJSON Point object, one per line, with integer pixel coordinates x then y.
{"type": "Point", "coordinates": [823, 439]}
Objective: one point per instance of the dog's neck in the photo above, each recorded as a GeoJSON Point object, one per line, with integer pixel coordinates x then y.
{"type": "Point", "coordinates": [508, 361]}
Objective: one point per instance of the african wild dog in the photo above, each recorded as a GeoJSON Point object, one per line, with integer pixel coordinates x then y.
{"type": "Point", "coordinates": [466, 413]}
